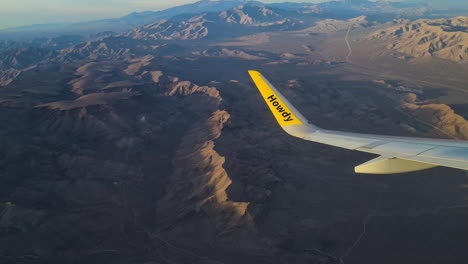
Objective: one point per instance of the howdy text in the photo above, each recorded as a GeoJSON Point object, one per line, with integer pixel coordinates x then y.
{"type": "Point", "coordinates": [280, 108]}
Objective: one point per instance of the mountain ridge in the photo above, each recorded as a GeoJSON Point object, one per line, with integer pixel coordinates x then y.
{"type": "Point", "coordinates": [138, 19]}
{"type": "Point", "coordinates": [127, 22]}
{"type": "Point", "coordinates": [235, 21]}
{"type": "Point", "coordinates": [441, 38]}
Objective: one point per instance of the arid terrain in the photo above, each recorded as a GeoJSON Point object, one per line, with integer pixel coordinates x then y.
{"type": "Point", "coordinates": [152, 145]}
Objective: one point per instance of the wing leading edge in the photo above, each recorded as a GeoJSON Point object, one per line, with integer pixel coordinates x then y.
{"type": "Point", "coordinates": [397, 154]}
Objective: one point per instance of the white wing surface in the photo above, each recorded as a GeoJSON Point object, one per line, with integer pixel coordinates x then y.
{"type": "Point", "coordinates": [396, 154]}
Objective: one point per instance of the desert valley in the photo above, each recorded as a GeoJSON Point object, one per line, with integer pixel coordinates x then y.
{"type": "Point", "coordinates": [143, 139]}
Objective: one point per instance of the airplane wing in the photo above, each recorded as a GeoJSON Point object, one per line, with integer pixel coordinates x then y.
{"type": "Point", "coordinates": [396, 154]}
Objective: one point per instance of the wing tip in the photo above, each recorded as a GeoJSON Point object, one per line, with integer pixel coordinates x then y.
{"type": "Point", "coordinates": [254, 73]}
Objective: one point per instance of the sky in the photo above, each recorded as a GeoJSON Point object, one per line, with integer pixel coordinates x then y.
{"type": "Point", "coordinates": [15, 13]}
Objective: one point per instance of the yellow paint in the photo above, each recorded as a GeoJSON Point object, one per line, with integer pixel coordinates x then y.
{"type": "Point", "coordinates": [284, 116]}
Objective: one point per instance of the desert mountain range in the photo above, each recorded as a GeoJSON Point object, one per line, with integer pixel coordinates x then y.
{"type": "Point", "coordinates": [233, 22]}
{"type": "Point", "coordinates": [149, 143]}
{"type": "Point", "coordinates": [138, 19]}
{"type": "Point", "coordinates": [441, 38]}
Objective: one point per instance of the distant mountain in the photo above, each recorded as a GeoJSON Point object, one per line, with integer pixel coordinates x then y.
{"type": "Point", "coordinates": [348, 9]}
{"type": "Point", "coordinates": [332, 25]}
{"type": "Point", "coordinates": [19, 57]}
{"type": "Point", "coordinates": [331, 9]}
{"type": "Point", "coordinates": [441, 38]}
{"type": "Point", "coordinates": [7, 44]}
{"type": "Point", "coordinates": [56, 43]}
{"type": "Point", "coordinates": [113, 48]}
{"type": "Point", "coordinates": [237, 21]}
{"type": "Point", "coordinates": [123, 23]}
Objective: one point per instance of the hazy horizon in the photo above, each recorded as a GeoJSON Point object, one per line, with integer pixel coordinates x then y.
{"type": "Point", "coordinates": [29, 12]}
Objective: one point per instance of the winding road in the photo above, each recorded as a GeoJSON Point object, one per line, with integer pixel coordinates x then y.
{"type": "Point", "coordinates": [348, 44]}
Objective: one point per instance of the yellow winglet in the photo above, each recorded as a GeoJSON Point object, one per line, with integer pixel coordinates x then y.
{"type": "Point", "coordinates": [283, 111]}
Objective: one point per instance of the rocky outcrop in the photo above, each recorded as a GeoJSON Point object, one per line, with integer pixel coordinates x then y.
{"type": "Point", "coordinates": [186, 88]}
{"type": "Point", "coordinates": [198, 186]}
{"type": "Point", "coordinates": [442, 117]}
